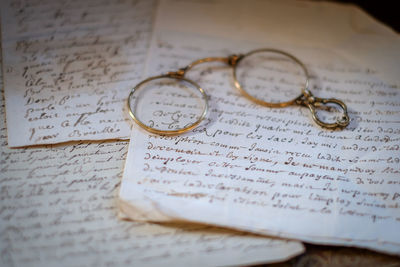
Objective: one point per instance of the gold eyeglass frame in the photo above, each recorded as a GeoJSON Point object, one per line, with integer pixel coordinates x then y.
{"type": "Point", "coordinates": [306, 98]}
{"type": "Point", "coordinates": [168, 132]}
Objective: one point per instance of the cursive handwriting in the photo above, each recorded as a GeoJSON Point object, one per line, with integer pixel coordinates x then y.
{"type": "Point", "coordinates": [71, 66]}
{"type": "Point", "coordinates": [58, 206]}
{"type": "Point", "coordinates": [275, 164]}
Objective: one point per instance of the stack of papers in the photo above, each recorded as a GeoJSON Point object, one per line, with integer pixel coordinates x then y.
{"type": "Point", "coordinates": [246, 186]}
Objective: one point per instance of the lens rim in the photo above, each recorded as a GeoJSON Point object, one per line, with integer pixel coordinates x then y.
{"type": "Point", "coordinates": [258, 100]}
{"type": "Point", "coordinates": [167, 132]}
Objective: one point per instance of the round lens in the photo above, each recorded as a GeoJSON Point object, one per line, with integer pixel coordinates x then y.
{"type": "Point", "coordinates": [270, 77]}
{"type": "Point", "coordinates": [167, 105]}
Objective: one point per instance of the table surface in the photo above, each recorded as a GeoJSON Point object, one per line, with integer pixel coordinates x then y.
{"type": "Point", "coordinates": [324, 256]}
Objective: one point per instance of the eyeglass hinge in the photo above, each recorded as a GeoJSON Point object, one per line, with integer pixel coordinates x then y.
{"type": "Point", "coordinates": [177, 74]}
{"type": "Point", "coordinates": [233, 59]}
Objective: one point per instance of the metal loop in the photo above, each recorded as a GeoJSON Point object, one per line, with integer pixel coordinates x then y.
{"type": "Point", "coordinates": [314, 103]}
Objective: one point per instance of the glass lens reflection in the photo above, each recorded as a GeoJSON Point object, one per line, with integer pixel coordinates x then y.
{"type": "Point", "coordinates": [270, 77]}
{"type": "Point", "coordinates": [167, 104]}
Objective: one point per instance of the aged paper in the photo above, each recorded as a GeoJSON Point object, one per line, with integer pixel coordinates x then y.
{"type": "Point", "coordinates": [69, 66]}
{"type": "Point", "coordinates": [274, 171]}
{"type": "Point", "coordinates": [58, 208]}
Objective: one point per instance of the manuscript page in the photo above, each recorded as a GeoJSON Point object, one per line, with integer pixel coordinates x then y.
{"type": "Point", "coordinates": [274, 171]}
{"type": "Point", "coordinates": [58, 208]}
{"type": "Point", "coordinates": [69, 66]}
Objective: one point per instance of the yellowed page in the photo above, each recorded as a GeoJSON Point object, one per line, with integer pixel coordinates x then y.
{"type": "Point", "coordinates": [69, 66]}
{"type": "Point", "coordinates": [274, 171]}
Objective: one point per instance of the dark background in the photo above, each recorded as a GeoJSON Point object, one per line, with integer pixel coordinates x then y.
{"type": "Point", "coordinates": [385, 11]}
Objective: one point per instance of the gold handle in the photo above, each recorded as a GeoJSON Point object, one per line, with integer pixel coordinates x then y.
{"type": "Point", "coordinates": [314, 103]}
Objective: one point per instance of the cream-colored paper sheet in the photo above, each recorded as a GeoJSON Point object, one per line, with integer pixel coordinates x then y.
{"type": "Point", "coordinates": [69, 66]}
{"type": "Point", "coordinates": [274, 171]}
{"type": "Point", "coordinates": [58, 208]}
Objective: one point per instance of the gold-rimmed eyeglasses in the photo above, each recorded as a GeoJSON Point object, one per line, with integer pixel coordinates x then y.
{"type": "Point", "coordinates": [251, 76]}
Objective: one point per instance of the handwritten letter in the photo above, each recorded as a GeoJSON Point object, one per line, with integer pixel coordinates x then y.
{"type": "Point", "coordinates": [58, 208]}
{"type": "Point", "coordinates": [69, 66]}
{"type": "Point", "coordinates": [274, 171]}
